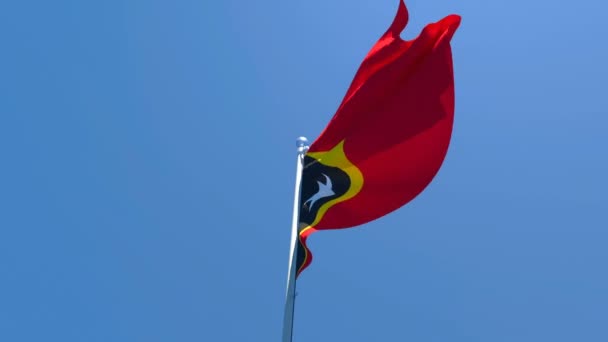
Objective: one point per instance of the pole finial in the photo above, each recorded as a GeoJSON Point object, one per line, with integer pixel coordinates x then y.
{"type": "Point", "coordinates": [302, 144]}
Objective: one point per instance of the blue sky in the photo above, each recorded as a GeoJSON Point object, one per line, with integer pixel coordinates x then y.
{"type": "Point", "coordinates": [148, 159]}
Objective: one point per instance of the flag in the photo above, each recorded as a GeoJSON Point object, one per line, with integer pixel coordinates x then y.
{"type": "Point", "coordinates": [389, 136]}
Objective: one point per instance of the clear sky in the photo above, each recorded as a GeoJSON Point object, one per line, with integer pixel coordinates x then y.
{"type": "Point", "coordinates": [148, 157]}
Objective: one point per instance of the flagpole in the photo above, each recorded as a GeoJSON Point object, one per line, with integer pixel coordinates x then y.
{"type": "Point", "coordinates": [290, 296]}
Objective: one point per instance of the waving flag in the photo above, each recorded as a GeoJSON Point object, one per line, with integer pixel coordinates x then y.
{"type": "Point", "coordinates": [389, 136]}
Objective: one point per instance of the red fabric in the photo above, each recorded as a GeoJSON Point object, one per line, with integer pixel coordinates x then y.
{"type": "Point", "coordinates": [396, 120]}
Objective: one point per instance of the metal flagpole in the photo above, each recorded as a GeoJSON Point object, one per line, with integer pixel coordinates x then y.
{"type": "Point", "coordinates": [290, 296]}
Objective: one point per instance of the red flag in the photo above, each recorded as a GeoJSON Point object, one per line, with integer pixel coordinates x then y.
{"type": "Point", "coordinates": [388, 138]}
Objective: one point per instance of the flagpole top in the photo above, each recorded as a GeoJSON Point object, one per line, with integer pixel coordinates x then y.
{"type": "Point", "coordinates": [302, 144]}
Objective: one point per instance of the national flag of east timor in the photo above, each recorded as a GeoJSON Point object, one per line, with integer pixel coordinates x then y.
{"type": "Point", "coordinates": [389, 136]}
